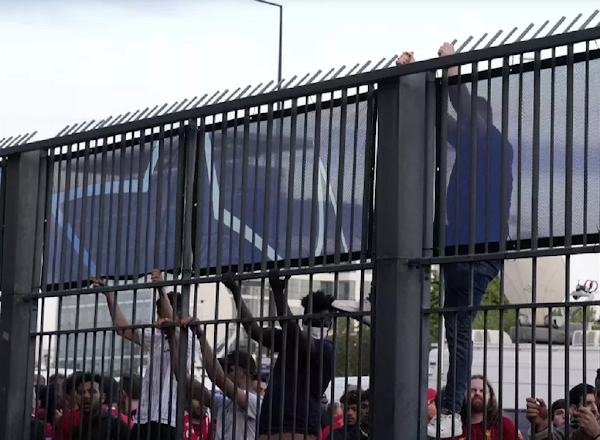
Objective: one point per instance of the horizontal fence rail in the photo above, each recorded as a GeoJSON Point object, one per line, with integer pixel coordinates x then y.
{"type": "Point", "coordinates": [373, 240]}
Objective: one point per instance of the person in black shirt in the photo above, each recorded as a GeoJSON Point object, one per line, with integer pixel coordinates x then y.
{"type": "Point", "coordinates": [96, 423]}
{"type": "Point", "coordinates": [304, 366]}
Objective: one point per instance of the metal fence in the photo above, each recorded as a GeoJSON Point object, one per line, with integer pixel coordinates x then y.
{"type": "Point", "coordinates": [398, 188]}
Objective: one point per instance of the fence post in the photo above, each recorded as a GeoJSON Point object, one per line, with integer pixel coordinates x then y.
{"type": "Point", "coordinates": [18, 316]}
{"type": "Point", "coordinates": [402, 223]}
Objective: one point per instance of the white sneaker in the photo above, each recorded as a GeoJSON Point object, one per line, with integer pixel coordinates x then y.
{"type": "Point", "coordinates": [354, 306]}
{"type": "Point", "coordinates": [445, 426]}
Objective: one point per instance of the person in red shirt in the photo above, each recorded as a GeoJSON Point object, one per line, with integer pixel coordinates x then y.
{"type": "Point", "coordinates": [494, 418]}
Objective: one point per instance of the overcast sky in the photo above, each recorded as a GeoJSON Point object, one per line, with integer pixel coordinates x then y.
{"type": "Point", "coordinates": [68, 61]}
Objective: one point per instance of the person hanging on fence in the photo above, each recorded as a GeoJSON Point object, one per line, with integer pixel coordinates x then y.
{"type": "Point", "coordinates": [236, 409]}
{"type": "Point", "coordinates": [153, 421]}
{"type": "Point", "coordinates": [493, 189]}
{"type": "Point", "coordinates": [292, 405]}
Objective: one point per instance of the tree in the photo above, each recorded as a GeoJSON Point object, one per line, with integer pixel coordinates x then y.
{"type": "Point", "coordinates": [347, 343]}
{"type": "Point", "coordinates": [492, 297]}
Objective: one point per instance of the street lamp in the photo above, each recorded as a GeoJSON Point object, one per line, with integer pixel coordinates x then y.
{"type": "Point", "coordinates": [280, 37]}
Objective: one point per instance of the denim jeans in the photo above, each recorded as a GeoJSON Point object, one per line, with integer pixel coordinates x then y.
{"type": "Point", "coordinates": [458, 278]}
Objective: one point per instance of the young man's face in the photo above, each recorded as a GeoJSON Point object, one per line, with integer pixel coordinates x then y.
{"type": "Point", "coordinates": [259, 387]}
{"type": "Point", "coordinates": [90, 398]}
{"type": "Point", "coordinates": [590, 403]}
{"type": "Point", "coordinates": [364, 411]}
{"type": "Point", "coordinates": [559, 418]}
{"type": "Point", "coordinates": [197, 410]}
{"type": "Point", "coordinates": [350, 414]}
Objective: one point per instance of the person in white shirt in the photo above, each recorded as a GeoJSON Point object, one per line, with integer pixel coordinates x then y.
{"type": "Point", "coordinates": [156, 416]}
{"type": "Point", "coordinates": [236, 410]}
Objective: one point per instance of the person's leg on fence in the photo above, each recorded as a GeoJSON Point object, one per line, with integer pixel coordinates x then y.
{"type": "Point", "coordinates": [458, 335]}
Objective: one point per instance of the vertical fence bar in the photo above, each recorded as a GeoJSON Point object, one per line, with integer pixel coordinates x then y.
{"type": "Point", "coordinates": [16, 346]}
{"type": "Point", "coordinates": [401, 161]}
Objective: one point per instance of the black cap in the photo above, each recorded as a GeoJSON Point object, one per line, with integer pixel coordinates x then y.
{"type": "Point", "coordinates": [240, 358]}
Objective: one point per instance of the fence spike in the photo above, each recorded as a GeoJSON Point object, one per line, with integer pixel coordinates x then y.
{"type": "Point", "coordinates": [129, 119]}
{"type": "Point", "coordinates": [379, 63]}
{"type": "Point", "coordinates": [31, 136]}
{"type": "Point", "coordinates": [539, 31]}
{"type": "Point", "coordinates": [1, 140]}
{"type": "Point", "coordinates": [151, 112]}
{"type": "Point", "coordinates": [170, 109]}
{"type": "Point", "coordinates": [349, 72]}
{"type": "Point", "coordinates": [391, 61]}
{"type": "Point", "coordinates": [18, 139]}
{"type": "Point", "coordinates": [221, 96]}
{"type": "Point", "coordinates": [454, 42]}
{"type": "Point", "coordinates": [479, 41]}
{"type": "Point", "coordinates": [510, 34]}
{"type": "Point", "coordinates": [189, 104]}
{"type": "Point", "coordinates": [302, 80]}
{"type": "Point", "coordinates": [572, 23]}
{"type": "Point", "coordinates": [233, 94]}
{"type": "Point", "coordinates": [211, 98]}
{"type": "Point", "coordinates": [142, 113]}
{"type": "Point", "coordinates": [285, 86]}
{"type": "Point", "coordinates": [525, 32]}
{"type": "Point", "coordinates": [558, 23]}
{"type": "Point", "coordinates": [255, 89]}
{"type": "Point", "coordinates": [312, 78]}
{"type": "Point", "coordinates": [6, 141]}
{"type": "Point", "coordinates": [87, 127]}
{"type": "Point", "coordinates": [494, 38]}
{"type": "Point", "coordinates": [100, 122]}
{"type": "Point", "coordinates": [119, 119]}
{"type": "Point", "coordinates": [327, 74]}
{"type": "Point", "coordinates": [243, 92]}
{"type": "Point", "coordinates": [363, 67]}
{"type": "Point", "coordinates": [60, 133]}
{"type": "Point", "coordinates": [158, 112]}
{"type": "Point", "coordinates": [589, 20]}
{"type": "Point", "coordinates": [180, 105]}
{"type": "Point", "coordinates": [265, 87]}
{"type": "Point", "coordinates": [278, 85]}
{"type": "Point", "coordinates": [200, 101]}
{"type": "Point", "coordinates": [467, 41]}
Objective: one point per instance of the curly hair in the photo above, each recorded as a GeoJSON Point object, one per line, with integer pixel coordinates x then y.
{"type": "Point", "coordinates": [321, 302]}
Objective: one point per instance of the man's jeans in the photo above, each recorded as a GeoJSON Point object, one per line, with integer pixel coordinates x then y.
{"type": "Point", "coordinates": [458, 285]}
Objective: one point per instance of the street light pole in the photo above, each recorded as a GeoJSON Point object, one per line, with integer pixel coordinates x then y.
{"type": "Point", "coordinates": [279, 70]}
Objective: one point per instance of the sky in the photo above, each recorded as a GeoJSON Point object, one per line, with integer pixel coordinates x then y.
{"type": "Point", "coordinates": [67, 61]}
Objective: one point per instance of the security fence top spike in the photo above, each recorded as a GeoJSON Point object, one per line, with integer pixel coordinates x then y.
{"type": "Point", "coordinates": [243, 92]}
{"type": "Point", "coordinates": [299, 83]}
{"type": "Point", "coordinates": [130, 118]}
{"type": "Point", "coordinates": [119, 119]}
{"type": "Point", "coordinates": [200, 100]}
{"type": "Point", "coordinates": [232, 95]}
{"type": "Point", "coordinates": [31, 136]}
{"type": "Point", "coordinates": [556, 25]}
{"type": "Point", "coordinates": [467, 41]}
{"type": "Point", "coordinates": [391, 61]}
{"type": "Point", "coordinates": [327, 74]}
{"type": "Point", "coordinates": [76, 128]}
{"type": "Point", "coordinates": [539, 31]}
{"type": "Point", "coordinates": [18, 139]}
{"type": "Point", "coordinates": [494, 38]}
{"type": "Point", "coordinates": [99, 124]}
{"type": "Point", "coordinates": [87, 127]}
{"type": "Point", "coordinates": [263, 90]}
{"type": "Point", "coordinates": [255, 89]}
{"type": "Point", "coordinates": [221, 96]}
{"type": "Point", "coordinates": [151, 113]}
{"type": "Point", "coordinates": [572, 23]}
{"type": "Point", "coordinates": [6, 141]}
{"type": "Point", "coordinates": [479, 41]}
{"type": "Point", "coordinates": [286, 85]}
{"type": "Point", "coordinates": [1, 140]}
{"type": "Point", "coordinates": [162, 107]}
{"type": "Point", "coordinates": [142, 113]}
{"type": "Point", "coordinates": [211, 98]}
{"type": "Point", "coordinates": [454, 42]}
{"type": "Point", "coordinates": [170, 109]}
{"type": "Point", "coordinates": [278, 85]}
{"type": "Point", "coordinates": [190, 104]}
{"type": "Point", "coordinates": [589, 20]}
{"type": "Point", "coordinates": [349, 72]}
{"type": "Point", "coordinates": [22, 139]}
{"type": "Point", "coordinates": [510, 34]}
{"type": "Point", "coordinates": [363, 67]}
{"type": "Point", "coordinates": [312, 78]}
{"type": "Point", "coordinates": [525, 32]}
{"type": "Point", "coordinates": [60, 133]}
{"type": "Point", "coordinates": [180, 105]}
{"type": "Point", "coordinates": [379, 63]}
{"type": "Point", "coordinates": [72, 129]}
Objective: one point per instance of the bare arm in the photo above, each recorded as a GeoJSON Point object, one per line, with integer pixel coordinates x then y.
{"type": "Point", "coordinates": [270, 338]}
{"type": "Point", "coordinates": [215, 370]}
{"type": "Point", "coordinates": [117, 316]}
{"type": "Point", "coordinates": [173, 336]}
{"type": "Point", "coordinates": [294, 332]}
{"type": "Point", "coordinates": [163, 299]}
